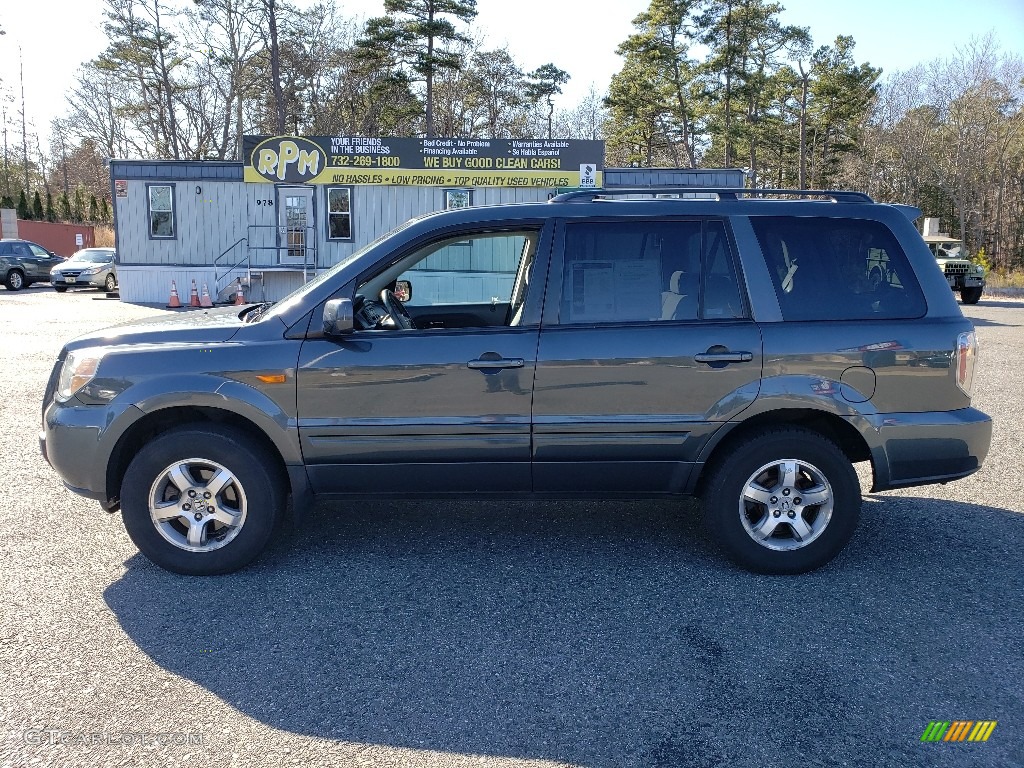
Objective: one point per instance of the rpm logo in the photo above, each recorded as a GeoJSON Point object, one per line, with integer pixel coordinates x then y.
{"type": "Point", "coordinates": [289, 159]}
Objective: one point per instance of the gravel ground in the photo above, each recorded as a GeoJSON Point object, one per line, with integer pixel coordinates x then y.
{"type": "Point", "coordinates": [524, 634]}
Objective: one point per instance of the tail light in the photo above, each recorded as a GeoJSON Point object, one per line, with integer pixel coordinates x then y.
{"type": "Point", "coordinates": [966, 356]}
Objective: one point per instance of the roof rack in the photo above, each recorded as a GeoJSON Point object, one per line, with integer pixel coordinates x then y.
{"type": "Point", "coordinates": [724, 193]}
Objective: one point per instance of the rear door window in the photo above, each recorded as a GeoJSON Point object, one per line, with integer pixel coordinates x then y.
{"type": "Point", "coordinates": [838, 269]}
{"type": "Point", "coordinates": [648, 271]}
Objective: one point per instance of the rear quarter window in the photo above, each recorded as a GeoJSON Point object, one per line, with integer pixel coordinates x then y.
{"type": "Point", "coordinates": [838, 269]}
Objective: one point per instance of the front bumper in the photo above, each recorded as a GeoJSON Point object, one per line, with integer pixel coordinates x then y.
{"type": "Point", "coordinates": [76, 441]}
{"type": "Point", "coordinates": [958, 282]}
{"type": "Point", "coordinates": [924, 448]}
{"type": "Point", "coordinates": [91, 281]}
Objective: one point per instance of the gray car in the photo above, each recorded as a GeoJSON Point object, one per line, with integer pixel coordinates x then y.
{"type": "Point", "coordinates": [733, 348]}
{"type": "Point", "coordinates": [87, 268]}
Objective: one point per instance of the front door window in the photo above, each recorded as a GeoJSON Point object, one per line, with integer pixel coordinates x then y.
{"type": "Point", "coordinates": [438, 374]}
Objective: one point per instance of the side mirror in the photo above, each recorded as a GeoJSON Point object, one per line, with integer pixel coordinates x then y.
{"type": "Point", "coordinates": [403, 290]}
{"type": "Point", "coordinates": [338, 317]}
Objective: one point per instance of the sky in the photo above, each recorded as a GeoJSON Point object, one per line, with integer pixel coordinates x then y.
{"type": "Point", "coordinates": [578, 36]}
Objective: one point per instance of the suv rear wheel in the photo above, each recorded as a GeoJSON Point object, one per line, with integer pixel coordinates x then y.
{"type": "Point", "coordinates": [783, 500]}
{"type": "Point", "coordinates": [202, 500]}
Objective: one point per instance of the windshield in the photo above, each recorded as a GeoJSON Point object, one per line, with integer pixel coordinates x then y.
{"type": "Point", "coordinates": [93, 256]}
{"type": "Point", "coordinates": [297, 295]}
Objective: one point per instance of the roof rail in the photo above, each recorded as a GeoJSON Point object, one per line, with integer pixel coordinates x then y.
{"type": "Point", "coordinates": [724, 193]}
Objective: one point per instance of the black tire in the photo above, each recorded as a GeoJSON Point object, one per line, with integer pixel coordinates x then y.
{"type": "Point", "coordinates": [15, 280]}
{"type": "Point", "coordinates": [971, 295]}
{"type": "Point", "coordinates": [60, 288]}
{"type": "Point", "coordinates": [257, 489]}
{"type": "Point", "coordinates": [819, 463]}
{"type": "Point", "coordinates": [110, 283]}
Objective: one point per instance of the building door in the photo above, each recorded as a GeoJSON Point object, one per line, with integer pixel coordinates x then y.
{"type": "Point", "coordinates": [296, 241]}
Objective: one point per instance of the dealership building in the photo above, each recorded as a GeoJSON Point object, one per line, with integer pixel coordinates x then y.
{"type": "Point", "coordinates": [298, 205]}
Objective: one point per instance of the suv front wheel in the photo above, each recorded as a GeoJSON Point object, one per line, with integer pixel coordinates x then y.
{"type": "Point", "coordinates": [783, 500]}
{"type": "Point", "coordinates": [202, 500]}
{"type": "Point", "coordinates": [971, 295]}
{"type": "Point", "coordinates": [15, 280]}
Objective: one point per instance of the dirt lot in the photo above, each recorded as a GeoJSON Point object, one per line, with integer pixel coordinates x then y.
{"type": "Point", "coordinates": [525, 634]}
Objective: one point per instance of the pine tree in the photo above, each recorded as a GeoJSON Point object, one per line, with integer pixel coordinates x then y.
{"type": "Point", "coordinates": [23, 209]}
{"type": "Point", "coordinates": [104, 211]}
{"type": "Point", "coordinates": [37, 207]}
{"type": "Point", "coordinates": [94, 209]}
{"type": "Point", "coordinates": [63, 207]}
{"type": "Point", "coordinates": [78, 211]}
{"type": "Point", "coordinates": [51, 215]}
{"type": "Point", "coordinates": [6, 201]}
{"type": "Point", "coordinates": [415, 32]}
{"type": "Point", "coordinates": [545, 82]}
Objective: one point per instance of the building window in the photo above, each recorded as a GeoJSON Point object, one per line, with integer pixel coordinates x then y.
{"type": "Point", "coordinates": [458, 198]}
{"type": "Point", "coordinates": [339, 213]}
{"type": "Point", "coordinates": [161, 211]}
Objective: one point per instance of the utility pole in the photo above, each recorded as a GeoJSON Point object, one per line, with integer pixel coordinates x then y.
{"type": "Point", "coordinates": [7, 166]}
{"type": "Point", "coordinates": [24, 137]}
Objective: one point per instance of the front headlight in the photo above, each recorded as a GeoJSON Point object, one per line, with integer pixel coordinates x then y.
{"type": "Point", "coordinates": [79, 369]}
{"type": "Point", "coordinates": [55, 272]}
{"type": "Point", "coordinates": [979, 269]}
{"type": "Point", "coordinates": [92, 271]}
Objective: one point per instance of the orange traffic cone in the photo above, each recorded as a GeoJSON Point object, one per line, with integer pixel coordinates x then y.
{"type": "Point", "coordinates": [174, 302]}
{"type": "Point", "coordinates": [205, 301]}
{"type": "Point", "coordinates": [239, 297]}
{"type": "Point", "coordinates": [193, 300]}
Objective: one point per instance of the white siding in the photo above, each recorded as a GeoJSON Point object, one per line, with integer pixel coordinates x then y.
{"type": "Point", "coordinates": [209, 216]}
{"type": "Point", "coordinates": [152, 285]}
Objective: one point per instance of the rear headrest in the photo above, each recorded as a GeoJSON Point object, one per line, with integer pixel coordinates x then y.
{"type": "Point", "coordinates": [675, 283]}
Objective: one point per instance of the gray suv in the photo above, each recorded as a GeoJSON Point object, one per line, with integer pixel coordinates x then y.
{"type": "Point", "coordinates": [734, 347]}
{"type": "Point", "coordinates": [23, 262]}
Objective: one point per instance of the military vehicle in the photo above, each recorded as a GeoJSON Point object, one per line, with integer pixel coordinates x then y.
{"type": "Point", "coordinates": [964, 276]}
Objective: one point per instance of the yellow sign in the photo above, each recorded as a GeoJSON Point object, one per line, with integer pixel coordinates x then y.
{"type": "Point", "coordinates": [289, 159]}
{"type": "Point", "coordinates": [440, 178]}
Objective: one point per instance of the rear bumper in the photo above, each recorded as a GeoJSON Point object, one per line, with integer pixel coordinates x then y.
{"type": "Point", "coordinates": [924, 448]}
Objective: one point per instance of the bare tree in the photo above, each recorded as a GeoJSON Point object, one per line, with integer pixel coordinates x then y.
{"type": "Point", "coordinates": [228, 33]}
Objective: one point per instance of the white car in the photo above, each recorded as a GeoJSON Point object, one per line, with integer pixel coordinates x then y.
{"type": "Point", "coordinates": [87, 268]}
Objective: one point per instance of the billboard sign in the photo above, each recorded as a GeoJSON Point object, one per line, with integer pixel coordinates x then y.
{"type": "Point", "coordinates": [423, 162]}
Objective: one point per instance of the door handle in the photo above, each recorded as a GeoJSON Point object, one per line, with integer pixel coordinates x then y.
{"type": "Point", "coordinates": [723, 357]}
{"type": "Point", "coordinates": [498, 362]}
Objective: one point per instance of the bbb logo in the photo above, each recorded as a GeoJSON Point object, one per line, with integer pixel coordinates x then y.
{"type": "Point", "coordinates": [289, 159]}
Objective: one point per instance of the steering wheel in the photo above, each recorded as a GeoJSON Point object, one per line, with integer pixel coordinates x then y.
{"type": "Point", "coordinates": [397, 311]}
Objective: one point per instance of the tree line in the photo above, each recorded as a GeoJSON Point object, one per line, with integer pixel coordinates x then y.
{"type": "Point", "coordinates": [725, 83]}
{"type": "Point", "coordinates": [712, 83]}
